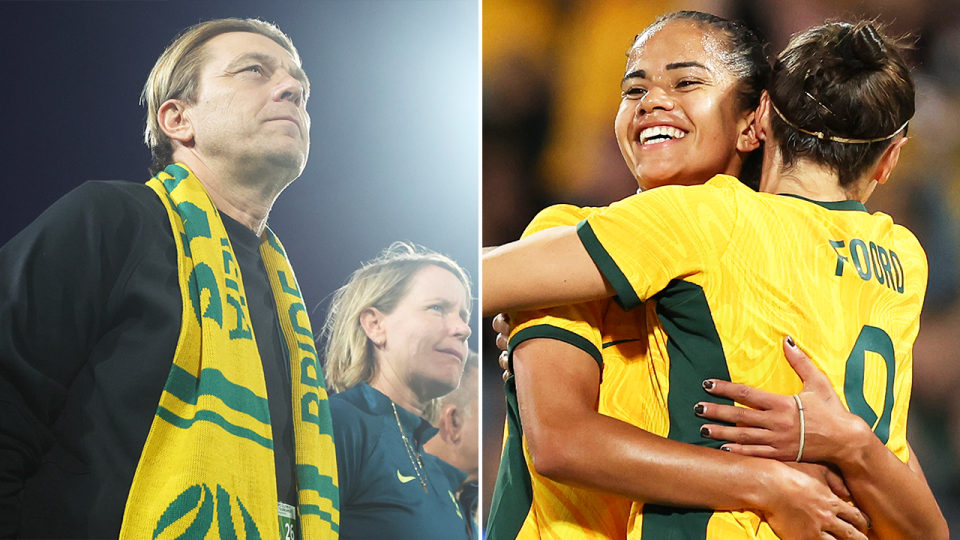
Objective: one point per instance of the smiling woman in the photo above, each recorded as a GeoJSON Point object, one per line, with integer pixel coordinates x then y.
{"type": "Point", "coordinates": [685, 112]}
{"type": "Point", "coordinates": [396, 341]}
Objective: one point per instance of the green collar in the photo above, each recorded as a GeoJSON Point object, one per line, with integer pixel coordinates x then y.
{"type": "Point", "coordinates": [855, 206]}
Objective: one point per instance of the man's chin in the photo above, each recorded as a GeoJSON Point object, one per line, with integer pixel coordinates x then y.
{"type": "Point", "coordinates": [293, 162]}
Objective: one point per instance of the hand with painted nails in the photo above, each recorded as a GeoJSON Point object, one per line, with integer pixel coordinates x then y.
{"type": "Point", "coordinates": [773, 426]}
{"type": "Point", "coordinates": [501, 325]}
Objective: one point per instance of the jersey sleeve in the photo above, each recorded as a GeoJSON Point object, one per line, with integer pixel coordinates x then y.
{"type": "Point", "coordinates": [578, 325]}
{"type": "Point", "coordinates": [643, 242]}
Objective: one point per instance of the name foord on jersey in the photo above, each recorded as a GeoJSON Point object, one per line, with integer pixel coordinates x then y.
{"type": "Point", "coordinates": [871, 262]}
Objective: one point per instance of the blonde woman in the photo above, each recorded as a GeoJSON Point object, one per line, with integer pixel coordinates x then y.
{"type": "Point", "coordinates": [396, 341]}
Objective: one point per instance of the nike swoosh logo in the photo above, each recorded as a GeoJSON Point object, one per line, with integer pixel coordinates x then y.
{"type": "Point", "coordinates": [404, 479]}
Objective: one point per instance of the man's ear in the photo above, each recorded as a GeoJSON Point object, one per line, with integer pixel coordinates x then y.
{"type": "Point", "coordinates": [371, 320]}
{"type": "Point", "coordinates": [457, 422]}
{"type": "Point", "coordinates": [174, 122]}
{"type": "Point", "coordinates": [449, 424]}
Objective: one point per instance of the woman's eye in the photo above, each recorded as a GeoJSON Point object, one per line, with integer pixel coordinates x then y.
{"type": "Point", "coordinates": [255, 69]}
{"type": "Point", "coordinates": [436, 307]}
{"type": "Point", "coordinates": [633, 93]}
{"type": "Point", "coordinates": [687, 84]}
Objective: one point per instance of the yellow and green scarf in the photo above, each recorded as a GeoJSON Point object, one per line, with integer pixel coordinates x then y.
{"type": "Point", "coordinates": [207, 469]}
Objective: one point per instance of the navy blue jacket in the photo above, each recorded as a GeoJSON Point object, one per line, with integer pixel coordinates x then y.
{"type": "Point", "coordinates": [381, 497]}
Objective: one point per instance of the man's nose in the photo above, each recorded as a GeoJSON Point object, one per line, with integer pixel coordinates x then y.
{"type": "Point", "coordinates": [289, 88]}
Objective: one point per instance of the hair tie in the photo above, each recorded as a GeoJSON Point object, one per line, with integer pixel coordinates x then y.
{"type": "Point", "coordinates": [824, 137]}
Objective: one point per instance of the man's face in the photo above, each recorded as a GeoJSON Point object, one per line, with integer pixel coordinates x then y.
{"type": "Point", "coordinates": [251, 104]}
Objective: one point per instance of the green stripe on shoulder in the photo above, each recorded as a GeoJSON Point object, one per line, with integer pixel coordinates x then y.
{"type": "Point", "coordinates": [513, 493]}
{"type": "Point", "coordinates": [696, 353]}
{"type": "Point", "coordinates": [560, 334]}
{"type": "Point", "coordinates": [626, 297]}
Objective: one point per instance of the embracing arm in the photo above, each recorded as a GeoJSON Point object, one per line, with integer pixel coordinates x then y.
{"type": "Point", "coordinates": [549, 268]}
{"type": "Point", "coordinates": [557, 391]}
{"type": "Point", "coordinates": [894, 494]}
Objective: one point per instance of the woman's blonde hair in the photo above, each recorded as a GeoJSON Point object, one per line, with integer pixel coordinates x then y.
{"type": "Point", "coordinates": [176, 75]}
{"type": "Point", "coordinates": [381, 283]}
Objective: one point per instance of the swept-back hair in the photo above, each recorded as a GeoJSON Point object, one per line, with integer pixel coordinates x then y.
{"type": "Point", "coordinates": [176, 75]}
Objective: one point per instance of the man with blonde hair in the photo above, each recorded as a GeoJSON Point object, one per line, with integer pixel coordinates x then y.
{"type": "Point", "coordinates": [157, 369]}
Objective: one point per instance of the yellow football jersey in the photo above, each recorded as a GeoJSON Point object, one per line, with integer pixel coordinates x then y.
{"type": "Point", "coordinates": [529, 506]}
{"type": "Point", "coordinates": [732, 272]}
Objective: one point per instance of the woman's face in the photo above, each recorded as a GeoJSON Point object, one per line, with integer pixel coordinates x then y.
{"type": "Point", "coordinates": [425, 337]}
{"type": "Point", "coordinates": [679, 121]}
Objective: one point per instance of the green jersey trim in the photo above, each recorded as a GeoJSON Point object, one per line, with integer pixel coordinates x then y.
{"type": "Point", "coordinates": [850, 206]}
{"type": "Point", "coordinates": [560, 334]}
{"type": "Point", "coordinates": [626, 297]}
{"type": "Point", "coordinates": [513, 494]}
{"type": "Point", "coordinates": [696, 354]}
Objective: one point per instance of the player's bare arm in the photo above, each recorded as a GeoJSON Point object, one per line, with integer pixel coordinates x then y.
{"type": "Point", "coordinates": [557, 271]}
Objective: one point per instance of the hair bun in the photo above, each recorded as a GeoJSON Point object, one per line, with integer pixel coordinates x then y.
{"type": "Point", "coordinates": [862, 47]}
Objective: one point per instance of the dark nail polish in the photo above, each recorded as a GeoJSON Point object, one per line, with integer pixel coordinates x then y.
{"type": "Point", "coordinates": [708, 385]}
{"type": "Point", "coordinates": [790, 342]}
{"type": "Point", "coordinates": [704, 431]}
{"type": "Point", "coordinates": [724, 448]}
{"type": "Point", "coordinates": [699, 408]}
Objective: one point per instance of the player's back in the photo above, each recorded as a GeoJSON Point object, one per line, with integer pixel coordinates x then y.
{"type": "Point", "coordinates": [734, 273]}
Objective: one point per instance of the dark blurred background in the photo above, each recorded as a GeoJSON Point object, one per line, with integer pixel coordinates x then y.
{"type": "Point", "coordinates": [395, 109]}
{"type": "Point", "coordinates": [551, 74]}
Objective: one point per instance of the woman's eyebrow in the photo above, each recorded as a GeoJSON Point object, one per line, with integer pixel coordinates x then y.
{"type": "Point", "coordinates": [638, 74]}
{"type": "Point", "coordinates": [642, 74]}
{"type": "Point", "coordinates": [682, 65]}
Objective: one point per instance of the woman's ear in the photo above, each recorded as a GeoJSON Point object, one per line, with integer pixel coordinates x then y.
{"type": "Point", "coordinates": [889, 160]}
{"type": "Point", "coordinates": [762, 119]}
{"type": "Point", "coordinates": [748, 141]}
{"type": "Point", "coordinates": [371, 320]}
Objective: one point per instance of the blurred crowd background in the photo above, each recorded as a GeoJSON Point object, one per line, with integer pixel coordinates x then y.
{"type": "Point", "coordinates": [551, 74]}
